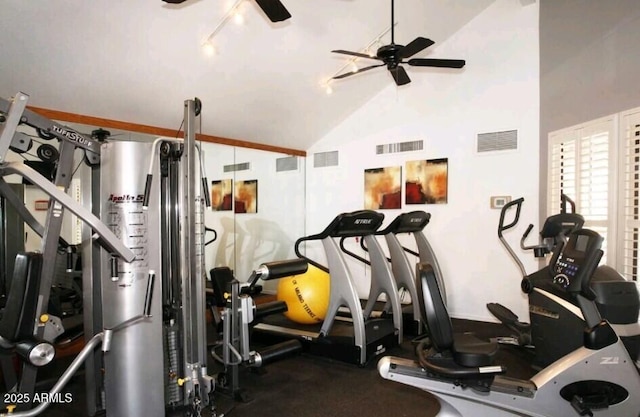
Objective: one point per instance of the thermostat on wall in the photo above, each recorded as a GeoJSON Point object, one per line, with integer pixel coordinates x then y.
{"type": "Point", "coordinates": [498, 201]}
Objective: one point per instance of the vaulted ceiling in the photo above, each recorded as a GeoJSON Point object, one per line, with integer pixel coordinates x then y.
{"type": "Point", "coordinates": [137, 61]}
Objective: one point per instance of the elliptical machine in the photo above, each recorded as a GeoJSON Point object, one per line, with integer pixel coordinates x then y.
{"type": "Point", "coordinates": [596, 379]}
{"type": "Point", "coordinates": [556, 324]}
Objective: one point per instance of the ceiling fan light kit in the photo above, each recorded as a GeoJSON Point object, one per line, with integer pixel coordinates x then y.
{"type": "Point", "coordinates": [393, 55]}
{"type": "Point", "coordinates": [273, 9]}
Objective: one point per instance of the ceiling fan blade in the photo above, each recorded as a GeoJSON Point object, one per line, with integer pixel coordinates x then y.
{"type": "Point", "coordinates": [274, 9]}
{"type": "Point", "coordinates": [399, 75]}
{"type": "Point", "coordinates": [358, 54]}
{"type": "Point", "coordinates": [346, 74]}
{"type": "Point", "coordinates": [440, 63]}
{"type": "Point", "coordinates": [415, 46]}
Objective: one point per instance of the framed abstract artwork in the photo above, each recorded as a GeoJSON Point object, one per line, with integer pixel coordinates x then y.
{"type": "Point", "coordinates": [383, 188]}
{"type": "Point", "coordinates": [246, 196]}
{"type": "Point", "coordinates": [222, 195]}
{"type": "Point", "coordinates": [426, 181]}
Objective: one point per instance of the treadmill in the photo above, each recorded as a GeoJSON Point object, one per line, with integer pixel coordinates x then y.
{"type": "Point", "coordinates": [403, 269]}
{"type": "Point", "coordinates": [358, 338]}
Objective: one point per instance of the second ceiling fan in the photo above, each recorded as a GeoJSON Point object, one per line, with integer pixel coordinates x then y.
{"type": "Point", "coordinates": [393, 55]}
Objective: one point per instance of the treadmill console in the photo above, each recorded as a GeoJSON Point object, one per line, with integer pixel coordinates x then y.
{"type": "Point", "coordinates": [573, 265]}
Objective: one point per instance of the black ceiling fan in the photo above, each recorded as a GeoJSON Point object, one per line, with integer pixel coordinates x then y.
{"type": "Point", "coordinates": [393, 55]}
{"type": "Point", "coordinates": [274, 9]}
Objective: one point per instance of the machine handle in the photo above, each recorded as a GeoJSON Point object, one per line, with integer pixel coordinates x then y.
{"type": "Point", "coordinates": [352, 254]}
{"type": "Point", "coordinates": [296, 249]}
{"type": "Point", "coordinates": [270, 308]}
{"type": "Point", "coordinates": [565, 199]}
{"type": "Point", "coordinates": [501, 226]}
{"type": "Point", "coordinates": [149, 294]}
{"type": "Point", "coordinates": [69, 252]}
{"type": "Point", "coordinates": [273, 353]}
{"type": "Point", "coordinates": [114, 269]}
{"type": "Point", "coordinates": [205, 192]}
{"type": "Point", "coordinates": [287, 268]}
{"type": "Point", "coordinates": [147, 191]}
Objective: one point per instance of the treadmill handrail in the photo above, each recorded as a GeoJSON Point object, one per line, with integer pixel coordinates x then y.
{"type": "Point", "coordinates": [354, 255]}
{"type": "Point", "coordinates": [309, 260]}
{"type": "Point", "coordinates": [362, 222]}
{"type": "Point", "coordinates": [417, 221]}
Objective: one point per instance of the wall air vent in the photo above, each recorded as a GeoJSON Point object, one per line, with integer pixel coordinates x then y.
{"type": "Point", "coordinates": [243, 166]}
{"type": "Point", "coordinates": [288, 163]}
{"type": "Point", "coordinates": [325, 159]}
{"type": "Point", "coordinates": [498, 141]}
{"type": "Point", "coordinates": [416, 145]}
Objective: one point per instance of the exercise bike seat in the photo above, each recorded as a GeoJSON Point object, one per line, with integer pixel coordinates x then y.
{"type": "Point", "coordinates": [470, 351]}
{"type": "Point", "coordinates": [465, 349]}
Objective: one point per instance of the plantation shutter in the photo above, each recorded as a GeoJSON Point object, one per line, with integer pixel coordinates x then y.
{"type": "Point", "coordinates": [580, 168]}
{"type": "Point", "coordinates": [630, 198]}
{"type": "Point", "coordinates": [562, 170]}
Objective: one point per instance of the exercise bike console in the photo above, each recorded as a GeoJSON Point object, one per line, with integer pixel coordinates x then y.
{"type": "Point", "coordinates": [573, 265]}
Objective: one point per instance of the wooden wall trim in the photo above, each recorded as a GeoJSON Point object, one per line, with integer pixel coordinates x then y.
{"type": "Point", "coordinates": [159, 131]}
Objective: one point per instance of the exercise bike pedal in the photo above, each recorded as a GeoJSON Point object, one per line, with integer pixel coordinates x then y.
{"type": "Point", "coordinates": [585, 404]}
{"type": "Point", "coordinates": [507, 316]}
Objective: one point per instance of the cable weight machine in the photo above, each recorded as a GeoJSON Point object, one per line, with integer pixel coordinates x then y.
{"type": "Point", "coordinates": [145, 352]}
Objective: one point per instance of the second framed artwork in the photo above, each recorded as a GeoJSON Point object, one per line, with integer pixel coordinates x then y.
{"type": "Point", "coordinates": [246, 197]}
{"type": "Point", "coordinates": [426, 181]}
{"type": "Point", "coordinates": [241, 198]}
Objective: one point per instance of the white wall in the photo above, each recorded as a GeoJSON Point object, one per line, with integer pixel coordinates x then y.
{"type": "Point", "coordinates": [497, 90]}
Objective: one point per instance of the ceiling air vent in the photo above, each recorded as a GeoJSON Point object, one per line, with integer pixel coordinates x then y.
{"type": "Point", "coordinates": [243, 166]}
{"type": "Point", "coordinates": [325, 159]}
{"type": "Point", "coordinates": [498, 141]}
{"type": "Point", "coordinates": [288, 163]}
{"type": "Point", "coordinates": [416, 145]}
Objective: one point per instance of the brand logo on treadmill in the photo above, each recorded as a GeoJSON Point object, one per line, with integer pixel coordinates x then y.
{"type": "Point", "coordinates": [72, 136]}
{"type": "Point", "coordinates": [126, 198]}
{"type": "Point", "coordinates": [609, 360]}
{"type": "Point", "coordinates": [363, 221]}
{"type": "Point", "coordinates": [415, 219]}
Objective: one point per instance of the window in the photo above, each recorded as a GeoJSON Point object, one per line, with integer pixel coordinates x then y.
{"type": "Point", "coordinates": [597, 164]}
{"type": "Point", "coordinates": [581, 167]}
{"type": "Point", "coordinates": [629, 172]}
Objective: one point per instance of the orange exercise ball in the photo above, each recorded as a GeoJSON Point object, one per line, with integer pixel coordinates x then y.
{"type": "Point", "coordinates": [306, 295]}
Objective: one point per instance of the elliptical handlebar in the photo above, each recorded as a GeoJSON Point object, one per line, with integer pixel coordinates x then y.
{"type": "Point", "coordinates": [565, 199]}
{"type": "Point", "coordinates": [502, 227]}
{"type": "Point", "coordinates": [539, 251]}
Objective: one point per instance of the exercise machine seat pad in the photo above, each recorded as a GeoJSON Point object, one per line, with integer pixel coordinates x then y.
{"type": "Point", "coordinates": [467, 350]}
{"type": "Point", "coordinates": [470, 351]}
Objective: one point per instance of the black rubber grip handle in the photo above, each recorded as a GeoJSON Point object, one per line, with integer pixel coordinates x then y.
{"type": "Point", "coordinates": [147, 190]}
{"type": "Point", "coordinates": [69, 259]}
{"type": "Point", "coordinates": [279, 351]}
{"type": "Point", "coordinates": [270, 308]}
{"type": "Point", "coordinates": [279, 269]}
{"type": "Point", "coordinates": [149, 294]}
{"type": "Point", "coordinates": [114, 268]}
{"type": "Point", "coordinates": [205, 192]}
